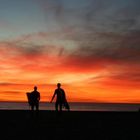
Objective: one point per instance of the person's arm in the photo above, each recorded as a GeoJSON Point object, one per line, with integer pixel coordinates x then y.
{"type": "Point", "coordinates": [53, 96]}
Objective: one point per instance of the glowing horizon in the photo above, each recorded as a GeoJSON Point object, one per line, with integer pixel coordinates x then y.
{"type": "Point", "coordinates": [92, 47]}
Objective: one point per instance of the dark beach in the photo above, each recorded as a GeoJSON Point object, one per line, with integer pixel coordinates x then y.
{"type": "Point", "coordinates": [22, 124]}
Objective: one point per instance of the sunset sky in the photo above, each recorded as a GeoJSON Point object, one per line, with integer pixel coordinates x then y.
{"type": "Point", "coordinates": [92, 47]}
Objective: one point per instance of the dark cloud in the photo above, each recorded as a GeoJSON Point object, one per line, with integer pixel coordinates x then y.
{"type": "Point", "coordinates": [106, 49]}
{"type": "Point", "coordinates": [11, 92]}
{"type": "Point", "coordinates": [127, 76]}
{"type": "Point", "coordinates": [112, 46]}
{"type": "Point", "coordinates": [91, 16]}
{"type": "Point", "coordinates": [6, 84]}
{"type": "Point", "coordinates": [94, 50]}
{"type": "Point", "coordinates": [33, 50]}
{"type": "Point", "coordinates": [56, 9]}
{"type": "Point", "coordinates": [61, 51]}
{"type": "Point", "coordinates": [12, 48]}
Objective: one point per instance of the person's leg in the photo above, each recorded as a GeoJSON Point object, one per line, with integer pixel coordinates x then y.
{"type": "Point", "coordinates": [32, 107]}
{"type": "Point", "coordinates": [56, 106]}
{"type": "Point", "coordinates": [37, 106]}
{"type": "Point", "coordinates": [60, 106]}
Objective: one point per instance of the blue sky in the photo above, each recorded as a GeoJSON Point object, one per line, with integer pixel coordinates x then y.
{"type": "Point", "coordinates": [19, 17]}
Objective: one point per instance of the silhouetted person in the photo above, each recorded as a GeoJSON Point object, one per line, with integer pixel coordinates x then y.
{"type": "Point", "coordinates": [60, 98]}
{"type": "Point", "coordinates": [34, 98]}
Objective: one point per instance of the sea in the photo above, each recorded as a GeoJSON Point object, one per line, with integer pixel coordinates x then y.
{"type": "Point", "coordinates": [74, 106]}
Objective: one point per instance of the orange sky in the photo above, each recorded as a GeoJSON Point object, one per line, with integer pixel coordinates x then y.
{"type": "Point", "coordinates": [91, 78]}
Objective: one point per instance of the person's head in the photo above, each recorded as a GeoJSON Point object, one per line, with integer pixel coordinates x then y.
{"type": "Point", "coordinates": [58, 85]}
{"type": "Point", "coordinates": [35, 88]}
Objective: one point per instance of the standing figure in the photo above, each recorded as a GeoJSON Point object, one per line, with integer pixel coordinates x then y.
{"type": "Point", "coordinates": [60, 98]}
{"type": "Point", "coordinates": [34, 98]}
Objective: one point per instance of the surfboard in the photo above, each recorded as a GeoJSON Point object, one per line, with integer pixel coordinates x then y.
{"type": "Point", "coordinates": [28, 97]}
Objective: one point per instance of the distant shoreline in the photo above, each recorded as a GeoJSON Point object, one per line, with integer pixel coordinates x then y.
{"type": "Point", "coordinates": [73, 102]}
{"type": "Point", "coordinates": [74, 106]}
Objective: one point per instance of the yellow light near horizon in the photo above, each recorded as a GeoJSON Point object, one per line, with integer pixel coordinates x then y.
{"type": "Point", "coordinates": [74, 78]}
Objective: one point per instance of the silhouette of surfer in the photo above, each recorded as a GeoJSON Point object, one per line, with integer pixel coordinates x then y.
{"type": "Point", "coordinates": [34, 98]}
{"type": "Point", "coordinates": [60, 98]}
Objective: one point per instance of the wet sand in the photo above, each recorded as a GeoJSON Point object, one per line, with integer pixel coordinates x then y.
{"type": "Point", "coordinates": [46, 125]}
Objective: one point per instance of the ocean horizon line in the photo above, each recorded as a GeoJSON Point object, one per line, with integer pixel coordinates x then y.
{"type": "Point", "coordinates": [74, 106]}
{"type": "Point", "coordinates": [78, 102]}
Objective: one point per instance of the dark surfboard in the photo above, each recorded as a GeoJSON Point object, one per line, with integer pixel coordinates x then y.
{"type": "Point", "coordinates": [29, 97]}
